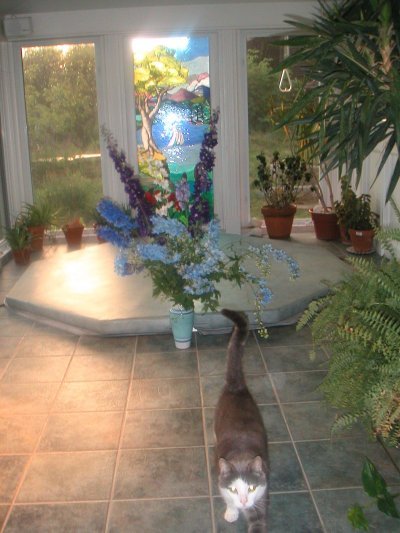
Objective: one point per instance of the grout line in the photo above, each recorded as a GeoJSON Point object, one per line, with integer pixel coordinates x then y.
{"type": "Point", "coordinates": [294, 444]}
{"type": "Point", "coordinates": [121, 433]}
{"type": "Point", "coordinates": [298, 457]}
{"type": "Point", "coordinates": [206, 444]}
{"type": "Point", "coordinates": [33, 453]}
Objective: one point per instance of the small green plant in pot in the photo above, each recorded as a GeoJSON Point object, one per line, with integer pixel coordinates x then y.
{"type": "Point", "coordinates": [38, 218]}
{"type": "Point", "coordinates": [280, 181]}
{"type": "Point", "coordinates": [344, 209]}
{"type": "Point", "coordinates": [356, 219]}
{"type": "Point", "coordinates": [361, 224]}
{"type": "Point", "coordinates": [19, 240]}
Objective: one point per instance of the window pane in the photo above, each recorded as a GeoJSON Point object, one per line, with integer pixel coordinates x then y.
{"type": "Point", "coordinates": [266, 105]}
{"type": "Point", "coordinates": [61, 109]}
{"type": "Point", "coordinates": [172, 89]}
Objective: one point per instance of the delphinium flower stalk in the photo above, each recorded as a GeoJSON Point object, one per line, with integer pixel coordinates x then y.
{"type": "Point", "coordinates": [132, 185]}
{"type": "Point", "coordinates": [200, 212]}
{"type": "Point", "coordinates": [120, 226]}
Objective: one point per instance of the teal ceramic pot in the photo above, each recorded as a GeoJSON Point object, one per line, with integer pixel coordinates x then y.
{"type": "Point", "coordinates": [182, 326]}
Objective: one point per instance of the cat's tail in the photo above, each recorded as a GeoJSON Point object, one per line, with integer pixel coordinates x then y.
{"type": "Point", "coordinates": [234, 371]}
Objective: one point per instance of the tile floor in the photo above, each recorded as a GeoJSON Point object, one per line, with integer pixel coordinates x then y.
{"type": "Point", "coordinates": [115, 434]}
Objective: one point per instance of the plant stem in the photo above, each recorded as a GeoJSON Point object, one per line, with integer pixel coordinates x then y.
{"type": "Point", "coordinates": [379, 439]}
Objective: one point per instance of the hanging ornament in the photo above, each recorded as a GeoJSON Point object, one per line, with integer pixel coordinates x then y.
{"type": "Point", "coordinates": [285, 83]}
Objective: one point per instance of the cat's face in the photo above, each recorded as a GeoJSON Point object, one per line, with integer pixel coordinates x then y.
{"type": "Point", "coordinates": [242, 485]}
{"type": "Point", "coordinates": [241, 494]}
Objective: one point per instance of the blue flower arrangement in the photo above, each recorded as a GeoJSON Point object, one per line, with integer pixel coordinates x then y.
{"type": "Point", "coordinates": [179, 247]}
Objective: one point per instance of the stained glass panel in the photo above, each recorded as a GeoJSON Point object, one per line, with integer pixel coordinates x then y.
{"type": "Point", "coordinates": [172, 96]}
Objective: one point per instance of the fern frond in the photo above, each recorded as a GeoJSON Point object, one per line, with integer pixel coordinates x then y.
{"type": "Point", "coordinates": [345, 422]}
{"type": "Point", "coordinates": [313, 309]}
{"type": "Point", "coordinates": [385, 326]}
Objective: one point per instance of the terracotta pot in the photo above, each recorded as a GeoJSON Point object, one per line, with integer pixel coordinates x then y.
{"type": "Point", "coordinates": [22, 257]}
{"type": "Point", "coordinates": [73, 235]}
{"type": "Point", "coordinates": [279, 220]}
{"type": "Point", "coordinates": [325, 225]}
{"type": "Point", "coordinates": [362, 240]}
{"type": "Point", "coordinates": [37, 233]}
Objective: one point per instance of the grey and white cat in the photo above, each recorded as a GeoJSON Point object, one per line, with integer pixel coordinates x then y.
{"type": "Point", "coordinates": [241, 440]}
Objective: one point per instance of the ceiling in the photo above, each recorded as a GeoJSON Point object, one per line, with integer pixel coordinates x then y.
{"type": "Point", "coordinates": [18, 7]}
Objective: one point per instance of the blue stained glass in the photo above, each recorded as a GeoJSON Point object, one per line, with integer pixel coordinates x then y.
{"type": "Point", "coordinates": [181, 116]}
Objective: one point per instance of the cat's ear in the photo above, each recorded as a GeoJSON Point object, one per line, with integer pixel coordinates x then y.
{"type": "Point", "coordinates": [225, 466]}
{"type": "Point", "coordinates": [256, 465]}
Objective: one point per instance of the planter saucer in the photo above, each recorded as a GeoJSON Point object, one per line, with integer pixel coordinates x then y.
{"type": "Point", "coordinates": [351, 250]}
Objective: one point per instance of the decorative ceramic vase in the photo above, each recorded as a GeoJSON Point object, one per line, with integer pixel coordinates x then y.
{"type": "Point", "coordinates": [362, 240]}
{"type": "Point", "coordinates": [325, 225]}
{"type": "Point", "coordinates": [182, 326]}
{"type": "Point", "coordinates": [279, 220]}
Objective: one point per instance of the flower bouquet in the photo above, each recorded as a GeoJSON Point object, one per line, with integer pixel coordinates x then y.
{"type": "Point", "coordinates": [170, 233]}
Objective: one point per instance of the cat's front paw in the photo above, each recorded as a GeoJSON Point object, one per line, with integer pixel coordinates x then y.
{"type": "Point", "coordinates": [231, 515]}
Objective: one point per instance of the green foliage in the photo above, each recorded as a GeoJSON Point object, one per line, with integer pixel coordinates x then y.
{"type": "Point", "coordinates": [354, 212]}
{"type": "Point", "coordinates": [359, 321]}
{"type": "Point", "coordinates": [376, 487]}
{"type": "Point", "coordinates": [38, 214]}
{"type": "Point", "coordinates": [72, 196]}
{"type": "Point", "coordinates": [61, 106]}
{"type": "Point", "coordinates": [263, 91]}
{"type": "Point", "coordinates": [18, 237]}
{"type": "Point", "coordinates": [61, 101]}
{"type": "Point", "coordinates": [357, 518]}
{"type": "Point", "coordinates": [281, 180]}
{"type": "Point", "coordinates": [350, 52]}
{"type": "Point", "coordinates": [266, 103]}
{"type": "Point", "coordinates": [157, 71]}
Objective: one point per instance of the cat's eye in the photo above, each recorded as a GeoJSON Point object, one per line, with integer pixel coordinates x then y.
{"type": "Point", "coordinates": [252, 488]}
{"type": "Point", "coordinates": [233, 489]}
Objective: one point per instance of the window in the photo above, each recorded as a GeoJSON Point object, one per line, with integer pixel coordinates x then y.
{"type": "Point", "coordinates": [269, 97]}
{"type": "Point", "coordinates": [61, 110]}
{"type": "Point", "coordinates": [172, 96]}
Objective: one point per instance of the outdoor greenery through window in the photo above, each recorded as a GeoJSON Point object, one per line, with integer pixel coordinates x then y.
{"type": "Point", "coordinates": [266, 106]}
{"type": "Point", "coordinates": [61, 109]}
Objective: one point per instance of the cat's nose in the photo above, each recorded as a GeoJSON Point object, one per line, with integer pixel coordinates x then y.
{"type": "Point", "coordinates": [243, 500]}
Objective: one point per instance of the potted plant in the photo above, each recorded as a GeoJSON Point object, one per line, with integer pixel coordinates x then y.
{"type": "Point", "coordinates": [38, 218]}
{"type": "Point", "coordinates": [361, 225]}
{"type": "Point", "coordinates": [175, 240]}
{"type": "Point", "coordinates": [344, 209]}
{"type": "Point", "coordinates": [349, 54]}
{"type": "Point", "coordinates": [359, 323]}
{"type": "Point", "coordinates": [73, 231]}
{"type": "Point", "coordinates": [324, 217]}
{"type": "Point", "coordinates": [280, 182]}
{"type": "Point", "coordinates": [19, 240]}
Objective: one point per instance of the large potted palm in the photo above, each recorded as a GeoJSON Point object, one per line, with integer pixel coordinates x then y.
{"type": "Point", "coordinates": [350, 56]}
